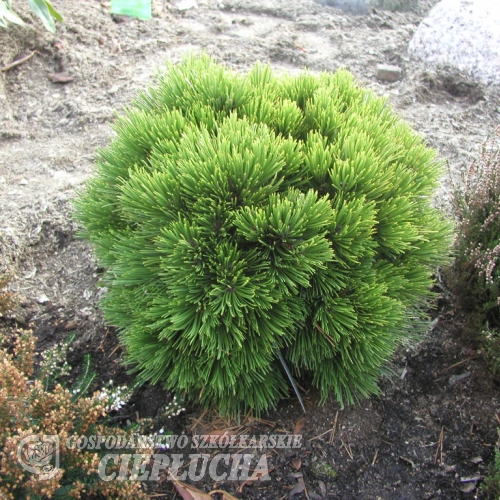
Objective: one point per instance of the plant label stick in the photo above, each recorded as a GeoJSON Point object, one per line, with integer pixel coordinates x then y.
{"type": "Point", "coordinates": [133, 8]}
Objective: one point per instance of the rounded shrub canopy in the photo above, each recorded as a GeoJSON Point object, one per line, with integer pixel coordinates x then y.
{"type": "Point", "coordinates": [239, 216]}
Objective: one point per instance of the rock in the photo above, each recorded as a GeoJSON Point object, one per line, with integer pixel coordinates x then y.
{"type": "Point", "coordinates": [388, 73]}
{"type": "Point", "coordinates": [86, 312]}
{"type": "Point", "coordinates": [186, 5]}
{"type": "Point", "coordinates": [42, 299]}
{"type": "Point", "coordinates": [468, 487]}
{"type": "Point", "coordinates": [457, 378]}
{"type": "Point", "coordinates": [463, 34]}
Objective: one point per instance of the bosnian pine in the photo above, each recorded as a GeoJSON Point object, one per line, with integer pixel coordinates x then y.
{"type": "Point", "coordinates": [238, 215]}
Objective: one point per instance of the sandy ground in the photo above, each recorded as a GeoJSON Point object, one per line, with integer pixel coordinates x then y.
{"type": "Point", "coordinates": [49, 132]}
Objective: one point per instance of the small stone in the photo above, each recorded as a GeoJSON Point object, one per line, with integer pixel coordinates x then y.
{"type": "Point", "coordinates": [322, 487]}
{"type": "Point", "coordinates": [23, 182]}
{"type": "Point", "coordinates": [30, 274]}
{"type": "Point", "coordinates": [457, 378]}
{"type": "Point", "coordinates": [86, 312]}
{"type": "Point", "coordinates": [186, 5]}
{"type": "Point", "coordinates": [388, 73]}
{"type": "Point", "coordinates": [42, 299]}
{"type": "Point", "coordinates": [468, 487]}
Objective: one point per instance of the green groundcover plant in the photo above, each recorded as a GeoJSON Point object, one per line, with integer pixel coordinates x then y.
{"type": "Point", "coordinates": [491, 484]}
{"type": "Point", "coordinates": [43, 9]}
{"type": "Point", "coordinates": [238, 216]}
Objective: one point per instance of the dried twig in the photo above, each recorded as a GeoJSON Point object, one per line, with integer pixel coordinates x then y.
{"type": "Point", "coordinates": [347, 447]}
{"type": "Point", "coordinates": [114, 350]}
{"type": "Point", "coordinates": [427, 445]}
{"type": "Point", "coordinates": [250, 481]}
{"type": "Point", "coordinates": [104, 338]}
{"type": "Point", "coordinates": [332, 431]}
{"type": "Point", "coordinates": [457, 364]}
{"type": "Point", "coordinates": [60, 77]}
{"type": "Point", "coordinates": [320, 435]}
{"type": "Point", "coordinates": [198, 420]}
{"type": "Point", "coordinates": [332, 435]}
{"type": "Point", "coordinates": [327, 337]}
{"type": "Point", "coordinates": [305, 491]}
{"type": "Point", "coordinates": [121, 417]}
{"type": "Point", "coordinates": [375, 457]}
{"type": "Point", "coordinates": [251, 421]}
{"type": "Point", "coordinates": [18, 62]}
{"type": "Point", "coordinates": [439, 448]}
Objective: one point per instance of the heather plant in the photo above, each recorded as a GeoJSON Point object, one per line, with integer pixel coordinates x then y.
{"type": "Point", "coordinates": [477, 207]}
{"type": "Point", "coordinates": [54, 365]}
{"type": "Point", "coordinates": [28, 407]}
{"type": "Point", "coordinates": [116, 396]}
{"type": "Point", "coordinates": [245, 218]}
{"type": "Point", "coordinates": [6, 297]}
{"type": "Point", "coordinates": [489, 340]}
{"type": "Point", "coordinates": [476, 276]}
{"type": "Point", "coordinates": [490, 486]}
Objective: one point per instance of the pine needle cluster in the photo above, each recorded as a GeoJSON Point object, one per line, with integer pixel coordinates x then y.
{"type": "Point", "coordinates": [238, 215]}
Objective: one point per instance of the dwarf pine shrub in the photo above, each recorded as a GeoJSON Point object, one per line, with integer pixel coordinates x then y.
{"type": "Point", "coordinates": [238, 215]}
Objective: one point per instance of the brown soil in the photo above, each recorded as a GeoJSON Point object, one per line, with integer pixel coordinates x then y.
{"type": "Point", "coordinates": [388, 447]}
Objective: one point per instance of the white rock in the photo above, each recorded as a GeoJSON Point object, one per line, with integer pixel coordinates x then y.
{"type": "Point", "coordinates": [464, 34]}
